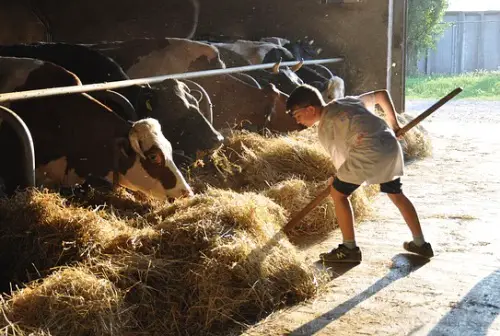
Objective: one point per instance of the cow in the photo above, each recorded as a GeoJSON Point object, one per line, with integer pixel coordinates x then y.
{"type": "Point", "coordinates": [169, 101]}
{"type": "Point", "coordinates": [242, 106]}
{"type": "Point", "coordinates": [76, 137]}
{"type": "Point", "coordinates": [142, 56]}
{"type": "Point", "coordinates": [146, 57]}
{"type": "Point", "coordinates": [254, 51]}
{"type": "Point", "coordinates": [285, 79]}
{"type": "Point", "coordinates": [317, 75]}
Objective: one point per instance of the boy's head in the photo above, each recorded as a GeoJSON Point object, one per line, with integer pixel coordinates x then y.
{"type": "Point", "coordinates": [305, 104]}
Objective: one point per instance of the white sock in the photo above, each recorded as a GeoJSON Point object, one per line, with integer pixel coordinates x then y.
{"type": "Point", "coordinates": [350, 244]}
{"type": "Point", "coordinates": [418, 240]}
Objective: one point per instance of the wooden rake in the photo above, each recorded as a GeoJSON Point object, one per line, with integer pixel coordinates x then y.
{"type": "Point", "coordinates": [322, 195]}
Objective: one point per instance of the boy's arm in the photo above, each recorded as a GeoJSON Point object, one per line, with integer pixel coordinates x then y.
{"type": "Point", "coordinates": [384, 100]}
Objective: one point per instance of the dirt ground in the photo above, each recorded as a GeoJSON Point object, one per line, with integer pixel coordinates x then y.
{"type": "Point", "coordinates": [457, 194]}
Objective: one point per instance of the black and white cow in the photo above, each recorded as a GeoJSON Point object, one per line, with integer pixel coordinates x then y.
{"type": "Point", "coordinates": [76, 137]}
{"type": "Point", "coordinates": [142, 56]}
{"type": "Point", "coordinates": [170, 102]}
{"type": "Point", "coordinates": [285, 79]}
{"type": "Point", "coordinates": [146, 57]}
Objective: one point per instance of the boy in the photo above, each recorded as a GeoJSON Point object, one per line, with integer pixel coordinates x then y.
{"type": "Point", "coordinates": [364, 149]}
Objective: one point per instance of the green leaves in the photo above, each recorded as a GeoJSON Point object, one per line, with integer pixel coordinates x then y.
{"type": "Point", "coordinates": [424, 28]}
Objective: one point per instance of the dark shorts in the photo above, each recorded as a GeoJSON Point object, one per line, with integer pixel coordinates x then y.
{"type": "Point", "coordinates": [346, 188]}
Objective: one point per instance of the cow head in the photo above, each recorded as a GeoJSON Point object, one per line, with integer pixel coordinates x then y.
{"type": "Point", "coordinates": [285, 79]}
{"type": "Point", "coordinates": [278, 120]}
{"type": "Point", "coordinates": [181, 120]}
{"type": "Point", "coordinates": [303, 49]}
{"type": "Point", "coordinates": [335, 89]}
{"type": "Point", "coordinates": [153, 170]}
{"type": "Point", "coordinates": [319, 76]}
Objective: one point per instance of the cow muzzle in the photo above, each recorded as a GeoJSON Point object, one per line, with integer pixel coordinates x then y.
{"type": "Point", "coordinates": [184, 194]}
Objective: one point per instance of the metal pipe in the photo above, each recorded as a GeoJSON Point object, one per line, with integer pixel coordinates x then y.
{"type": "Point", "coordinates": [24, 135]}
{"type": "Point", "coordinates": [30, 94]}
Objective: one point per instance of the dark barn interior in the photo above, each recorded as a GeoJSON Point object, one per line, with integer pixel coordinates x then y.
{"type": "Point", "coordinates": [369, 34]}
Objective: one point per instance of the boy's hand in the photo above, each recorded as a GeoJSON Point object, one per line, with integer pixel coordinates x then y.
{"type": "Point", "coordinates": [396, 129]}
{"type": "Point", "coordinates": [330, 181]}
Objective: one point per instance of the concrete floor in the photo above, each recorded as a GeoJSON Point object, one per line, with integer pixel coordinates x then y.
{"type": "Point", "coordinates": [457, 194]}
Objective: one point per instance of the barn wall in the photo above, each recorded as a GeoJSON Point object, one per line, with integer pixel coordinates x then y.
{"type": "Point", "coordinates": [19, 24]}
{"type": "Point", "coordinates": [356, 31]}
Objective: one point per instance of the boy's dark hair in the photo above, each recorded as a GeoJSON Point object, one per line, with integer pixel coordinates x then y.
{"type": "Point", "coordinates": [304, 95]}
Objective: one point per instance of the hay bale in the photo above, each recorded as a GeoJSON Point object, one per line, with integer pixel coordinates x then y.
{"type": "Point", "coordinates": [71, 301]}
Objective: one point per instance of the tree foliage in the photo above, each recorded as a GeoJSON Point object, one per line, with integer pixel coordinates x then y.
{"type": "Point", "coordinates": [424, 28]}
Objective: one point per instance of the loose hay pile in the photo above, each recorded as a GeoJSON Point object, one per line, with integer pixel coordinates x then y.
{"type": "Point", "coordinates": [290, 170]}
{"type": "Point", "coordinates": [121, 264]}
{"type": "Point", "coordinates": [416, 142]}
{"type": "Point", "coordinates": [202, 265]}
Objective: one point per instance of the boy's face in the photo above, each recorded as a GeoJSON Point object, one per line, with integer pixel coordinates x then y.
{"type": "Point", "coordinates": [306, 116]}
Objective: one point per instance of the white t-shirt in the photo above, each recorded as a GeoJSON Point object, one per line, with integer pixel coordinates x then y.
{"type": "Point", "coordinates": [363, 147]}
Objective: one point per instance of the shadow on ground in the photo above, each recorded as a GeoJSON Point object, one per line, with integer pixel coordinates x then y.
{"type": "Point", "coordinates": [475, 313]}
{"type": "Point", "coordinates": [403, 265]}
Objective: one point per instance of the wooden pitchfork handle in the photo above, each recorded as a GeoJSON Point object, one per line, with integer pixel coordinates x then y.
{"type": "Point", "coordinates": [315, 202]}
{"type": "Point", "coordinates": [428, 112]}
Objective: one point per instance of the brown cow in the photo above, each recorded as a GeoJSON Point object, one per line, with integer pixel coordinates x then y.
{"type": "Point", "coordinates": [239, 105]}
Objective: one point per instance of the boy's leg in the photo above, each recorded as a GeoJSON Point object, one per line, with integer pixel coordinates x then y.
{"type": "Point", "coordinates": [407, 210]}
{"type": "Point", "coordinates": [347, 251]}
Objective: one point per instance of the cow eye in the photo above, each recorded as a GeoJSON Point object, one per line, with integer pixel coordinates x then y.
{"type": "Point", "coordinates": [155, 157]}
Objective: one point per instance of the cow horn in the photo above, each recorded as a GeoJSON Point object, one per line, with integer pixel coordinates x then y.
{"type": "Point", "coordinates": [276, 67]}
{"type": "Point", "coordinates": [27, 142]}
{"type": "Point", "coordinates": [296, 67]}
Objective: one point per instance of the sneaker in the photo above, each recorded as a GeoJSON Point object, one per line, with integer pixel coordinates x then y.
{"type": "Point", "coordinates": [424, 250]}
{"type": "Point", "coordinates": [342, 254]}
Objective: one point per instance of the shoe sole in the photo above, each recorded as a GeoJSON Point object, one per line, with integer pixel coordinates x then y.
{"type": "Point", "coordinates": [420, 254]}
{"type": "Point", "coordinates": [341, 261]}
